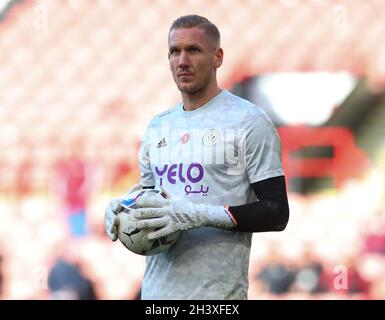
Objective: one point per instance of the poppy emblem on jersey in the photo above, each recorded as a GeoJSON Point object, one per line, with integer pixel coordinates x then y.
{"type": "Point", "coordinates": [211, 137]}
{"type": "Point", "coordinates": [185, 138]}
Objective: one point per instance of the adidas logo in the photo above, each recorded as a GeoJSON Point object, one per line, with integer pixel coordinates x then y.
{"type": "Point", "coordinates": [162, 143]}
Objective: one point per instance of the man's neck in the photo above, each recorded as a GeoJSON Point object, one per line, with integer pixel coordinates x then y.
{"type": "Point", "coordinates": [195, 101]}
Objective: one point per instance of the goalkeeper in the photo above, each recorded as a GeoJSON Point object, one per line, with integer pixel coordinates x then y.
{"type": "Point", "coordinates": [218, 156]}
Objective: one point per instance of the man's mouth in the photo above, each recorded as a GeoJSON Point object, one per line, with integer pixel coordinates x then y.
{"type": "Point", "coordinates": [184, 74]}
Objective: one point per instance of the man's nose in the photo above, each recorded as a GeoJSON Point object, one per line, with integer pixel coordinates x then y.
{"type": "Point", "coordinates": [183, 59]}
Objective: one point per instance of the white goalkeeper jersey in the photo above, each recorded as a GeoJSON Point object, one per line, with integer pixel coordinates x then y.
{"type": "Point", "coordinates": [210, 155]}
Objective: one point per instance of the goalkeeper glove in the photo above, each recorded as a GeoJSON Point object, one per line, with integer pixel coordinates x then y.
{"type": "Point", "coordinates": [169, 216]}
{"type": "Point", "coordinates": [111, 220]}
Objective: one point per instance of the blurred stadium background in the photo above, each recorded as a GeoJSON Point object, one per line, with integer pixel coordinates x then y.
{"type": "Point", "coordinates": [80, 79]}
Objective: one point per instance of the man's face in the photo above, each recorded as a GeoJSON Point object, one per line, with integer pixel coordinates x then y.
{"type": "Point", "coordinates": [193, 59]}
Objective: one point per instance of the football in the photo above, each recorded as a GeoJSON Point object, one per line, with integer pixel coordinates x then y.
{"type": "Point", "coordinates": [136, 240]}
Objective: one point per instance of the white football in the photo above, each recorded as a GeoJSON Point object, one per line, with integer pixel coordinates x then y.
{"type": "Point", "coordinates": [134, 239]}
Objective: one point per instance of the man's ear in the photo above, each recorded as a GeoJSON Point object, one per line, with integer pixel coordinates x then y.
{"type": "Point", "coordinates": [218, 57]}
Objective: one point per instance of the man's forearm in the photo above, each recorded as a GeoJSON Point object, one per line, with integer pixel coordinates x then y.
{"type": "Point", "coordinates": [269, 213]}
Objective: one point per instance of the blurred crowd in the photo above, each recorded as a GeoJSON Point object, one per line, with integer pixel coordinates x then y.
{"type": "Point", "coordinates": [312, 276]}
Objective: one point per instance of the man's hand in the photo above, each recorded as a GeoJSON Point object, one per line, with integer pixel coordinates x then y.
{"type": "Point", "coordinates": [111, 220]}
{"type": "Point", "coordinates": [171, 216]}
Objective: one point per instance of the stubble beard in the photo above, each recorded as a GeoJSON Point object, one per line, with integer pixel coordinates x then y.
{"type": "Point", "coordinates": [194, 89]}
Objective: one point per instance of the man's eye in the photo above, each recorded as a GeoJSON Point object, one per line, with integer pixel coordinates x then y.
{"type": "Point", "coordinates": [194, 50]}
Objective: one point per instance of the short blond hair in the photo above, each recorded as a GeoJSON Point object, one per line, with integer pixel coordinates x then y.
{"type": "Point", "coordinates": [194, 20]}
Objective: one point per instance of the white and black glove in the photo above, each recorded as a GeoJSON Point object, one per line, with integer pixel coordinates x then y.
{"type": "Point", "coordinates": [176, 215]}
{"type": "Point", "coordinates": [111, 220]}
